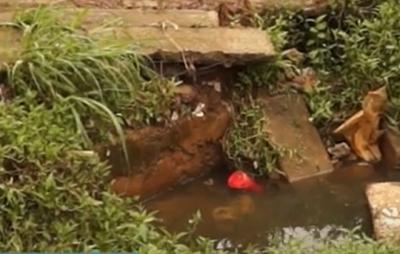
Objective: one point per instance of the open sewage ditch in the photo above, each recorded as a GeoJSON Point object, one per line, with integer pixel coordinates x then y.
{"type": "Point", "coordinates": [180, 169]}
{"type": "Point", "coordinates": [181, 172]}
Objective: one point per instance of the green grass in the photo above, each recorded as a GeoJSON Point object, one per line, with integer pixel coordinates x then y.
{"type": "Point", "coordinates": [53, 200]}
{"type": "Point", "coordinates": [100, 81]}
{"type": "Point", "coordinates": [246, 141]}
{"type": "Point", "coordinates": [354, 49]}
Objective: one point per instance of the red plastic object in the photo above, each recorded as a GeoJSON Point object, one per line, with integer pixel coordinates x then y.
{"type": "Point", "coordinates": [242, 181]}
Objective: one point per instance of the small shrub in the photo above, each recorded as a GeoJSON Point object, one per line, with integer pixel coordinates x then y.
{"type": "Point", "coordinates": [246, 141]}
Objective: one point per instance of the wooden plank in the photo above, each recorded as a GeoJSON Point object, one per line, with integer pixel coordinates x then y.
{"type": "Point", "coordinates": [288, 127]}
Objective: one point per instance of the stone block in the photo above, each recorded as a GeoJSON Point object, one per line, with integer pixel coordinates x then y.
{"type": "Point", "coordinates": [384, 203]}
{"type": "Point", "coordinates": [287, 124]}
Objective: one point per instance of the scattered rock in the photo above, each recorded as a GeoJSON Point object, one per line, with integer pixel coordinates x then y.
{"type": "Point", "coordinates": [362, 129]}
{"type": "Point", "coordinates": [339, 151]}
{"type": "Point", "coordinates": [390, 147]}
{"type": "Point", "coordinates": [384, 203]}
{"type": "Point", "coordinates": [303, 154]}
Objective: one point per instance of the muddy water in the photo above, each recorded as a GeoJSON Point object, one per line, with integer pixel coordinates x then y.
{"type": "Point", "coordinates": [325, 203]}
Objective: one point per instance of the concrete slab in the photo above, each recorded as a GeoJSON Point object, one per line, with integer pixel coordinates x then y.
{"type": "Point", "coordinates": [97, 17]}
{"type": "Point", "coordinates": [287, 124]}
{"type": "Point", "coordinates": [16, 4]}
{"type": "Point", "coordinates": [199, 45]}
{"type": "Point", "coordinates": [312, 6]}
{"type": "Point", "coordinates": [306, 5]}
{"type": "Point", "coordinates": [384, 203]}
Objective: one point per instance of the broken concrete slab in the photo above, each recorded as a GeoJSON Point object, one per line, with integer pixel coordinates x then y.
{"type": "Point", "coordinates": [181, 18]}
{"type": "Point", "coordinates": [17, 4]}
{"type": "Point", "coordinates": [308, 6]}
{"type": "Point", "coordinates": [188, 45]}
{"type": "Point", "coordinates": [390, 147]}
{"type": "Point", "coordinates": [96, 17]}
{"type": "Point", "coordinates": [259, 5]}
{"type": "Point", "coordinates": [384, 203]}
{"type": "Point", "coordinates": [198, 45]}
{"type": "Point", "coordinates": [289, 128]}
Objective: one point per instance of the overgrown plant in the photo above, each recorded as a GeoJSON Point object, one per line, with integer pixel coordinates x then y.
{"type": "Point", "coordinates": [269, 73]}
{"type": "Point", "coordinates": [54, 200]}
{"type": "Point", "coordinates": [98, 80]}
{"type": "Point", "coordinates": [356, 52]}
{"type": "Point", "coordinates": [246, 141]}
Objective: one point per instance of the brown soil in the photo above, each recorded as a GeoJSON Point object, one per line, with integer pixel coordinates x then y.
{"type": "Point", "coordinates": [165, 156]}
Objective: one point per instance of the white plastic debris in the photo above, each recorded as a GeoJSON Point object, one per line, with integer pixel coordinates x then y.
{"type": "Point", "coordinates": [175, 116]}
{"type": "Point", "coordinates": [340, 150]}
{"type": "Point", "coordinates": [209, 182]}
{"type": "Point", "coordinates": [198, 111]}
{"type": "Point", "coordinates": [224, 244]}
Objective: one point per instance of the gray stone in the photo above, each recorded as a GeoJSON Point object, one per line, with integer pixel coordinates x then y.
{"type": "Point", "coordinates": [384, 203]}
{"type": "Point", "coordinates": [96, 17]}
{"type": "Point", "coordinates": [309, 6]}
{"type": "Point", "coordinates": [191, 45]}
{"type": "Point", "coordinates": [13, 4]}
{"type": "Point", "coordinates": [303, 153]}
{"type": "Point", "coordinates": [198, 45]}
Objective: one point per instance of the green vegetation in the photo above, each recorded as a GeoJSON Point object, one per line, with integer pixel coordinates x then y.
{"type": "Point", "coordinates": [354, 48]}
{"type": "Point", "coordinates": [246, 141]}
{"type": "Point", "coordinates": [350, 243]}
{"type": "Point", "coordinates": [98, 79]}
{"type": "Point", "coordinates": [55, 200]}
{"type": "Point", "coordinates": [68, 89]}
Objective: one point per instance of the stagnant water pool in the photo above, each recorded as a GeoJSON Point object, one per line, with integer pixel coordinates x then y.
{"type": "Point", "coordinates": [321, 204]}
